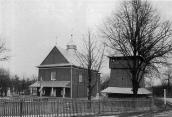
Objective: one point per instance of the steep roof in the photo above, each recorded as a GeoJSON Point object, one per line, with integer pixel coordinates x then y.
{"type": "Point", "coordinates": [67, 58]}
{"type": "Point", "coordinates": [71, 57]}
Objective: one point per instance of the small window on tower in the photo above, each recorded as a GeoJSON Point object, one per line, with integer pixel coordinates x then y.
{"type": "Point", "coordinates": [80, 78]}
{"type": "Point", "coordinates": [53, 75]}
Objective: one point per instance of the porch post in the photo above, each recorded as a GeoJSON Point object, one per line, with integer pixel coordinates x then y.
{"type": "Point", "coordinates": [64, 92]}
{"type": "Point", "coordinates": [52, 92]}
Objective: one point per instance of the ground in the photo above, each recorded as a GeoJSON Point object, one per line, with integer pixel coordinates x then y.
{"type": "Point", "coordinates": [162, 111]}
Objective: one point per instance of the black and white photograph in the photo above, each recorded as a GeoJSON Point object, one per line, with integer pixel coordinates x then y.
{"type": "Point", "coordinates": [85, 58]}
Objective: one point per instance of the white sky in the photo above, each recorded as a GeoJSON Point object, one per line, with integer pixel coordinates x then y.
{"type": "Point", "coordinates": [30, 27]}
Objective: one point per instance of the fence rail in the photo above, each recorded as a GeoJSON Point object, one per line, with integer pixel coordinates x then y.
{"type": "Point", "coordinates": [68, 108]}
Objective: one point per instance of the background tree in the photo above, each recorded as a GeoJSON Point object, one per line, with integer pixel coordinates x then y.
{"type": "Point", "coordinates": [136, 30]}
{"type": "Point", "coordinates": [4, 81]}
{"type": "Point", "coordinates": [91, 58]}
{"type": "Point", "coordinates": [3, 51]}
{"type": "Point", "coordinates": [15, 84]}
{"type": "Point", "coordinates": [4, 74]}
{"type": "Point", "coordinates": [21, 85]}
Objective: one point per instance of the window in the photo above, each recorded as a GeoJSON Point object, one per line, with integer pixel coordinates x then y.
{"type": "Point", "coordinates": [53, 75]}
{"type": "Point", "coordinates": [80, 78]}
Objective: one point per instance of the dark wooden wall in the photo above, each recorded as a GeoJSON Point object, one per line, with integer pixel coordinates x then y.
{"type": "Point", "coordinates": [122, 78]}
{"type": "Point", "coordinates": [120, 75]}
{"type": "Point", "coordinates": [64, 74]}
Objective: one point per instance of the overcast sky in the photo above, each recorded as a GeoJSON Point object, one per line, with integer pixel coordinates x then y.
{"type": "Point", "coordinates": [32, 27]}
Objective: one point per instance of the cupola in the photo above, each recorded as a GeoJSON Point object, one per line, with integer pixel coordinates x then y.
{"type": "Point", "coordinates": [71, 45]}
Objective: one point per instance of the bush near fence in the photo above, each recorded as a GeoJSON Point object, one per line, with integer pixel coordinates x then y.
{"type": "Point", "coordinates": [71, 107]}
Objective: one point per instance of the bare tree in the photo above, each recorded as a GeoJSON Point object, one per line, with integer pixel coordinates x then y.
{"type": "Point", "coordinates": [4, 81]}
{"type": "Point", "coordinates": [4, 74]}
{"type": "Point", "coordinates": [136, 30]}
{"type": "Point", "coordinates": [92, 59]}
{"type": "Point", "coordinates": [3, 51]}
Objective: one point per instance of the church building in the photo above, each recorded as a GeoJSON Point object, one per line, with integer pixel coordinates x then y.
{"type": "Point", "coordinates": [61, 75]}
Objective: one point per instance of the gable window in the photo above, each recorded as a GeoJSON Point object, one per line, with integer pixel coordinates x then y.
{"type": "Point", "coordinates": [53, 75]}
{"type": "Point", "coordinates": [80, 78]}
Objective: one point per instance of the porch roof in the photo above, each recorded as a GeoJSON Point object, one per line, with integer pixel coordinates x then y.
{"type": "Point", "coordinates": [54, 65]}
{"type": "Point", "coordinates": [51, 84]}
{"type": "Point", "coordinates": [122, 90]}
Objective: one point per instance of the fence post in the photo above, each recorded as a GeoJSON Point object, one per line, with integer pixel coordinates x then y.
{"type": "Point", "coordinates": [99, 106]}
{"type": "Point", "coordinates": [21, 106]}
{"type": "Point", "coordinates": [57, 104]}
{"type": "Point", "coordinates": [4, 108]}
{"type": "Point", "coordinates": [152, 104]}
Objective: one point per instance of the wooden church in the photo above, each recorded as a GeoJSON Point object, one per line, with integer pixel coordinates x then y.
{"type": "Point", "coordinates": [61, 75]}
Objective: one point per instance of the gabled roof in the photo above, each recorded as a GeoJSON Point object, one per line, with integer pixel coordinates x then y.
{"type": "Point", "coordinates": [70, 56]}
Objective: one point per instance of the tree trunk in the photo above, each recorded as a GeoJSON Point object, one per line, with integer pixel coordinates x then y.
{"type": "Point", "coordinates": [89, 88]}
{"type": "Point", "coordinates": [135, 87]}
{"type": "Point", "coordinates": [89, 84]}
